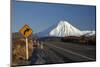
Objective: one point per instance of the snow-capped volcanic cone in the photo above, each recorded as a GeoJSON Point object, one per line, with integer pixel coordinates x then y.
{"type": "Point", "coordinates": [64, 28]}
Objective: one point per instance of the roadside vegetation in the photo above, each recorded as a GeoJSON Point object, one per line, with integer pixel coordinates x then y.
{"type": "Point", "coordinates": [82, 40]}
{"type": "Point", "coordinates": [19, 51]}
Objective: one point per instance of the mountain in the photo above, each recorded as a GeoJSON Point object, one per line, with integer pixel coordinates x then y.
{"type": "Point", "coordinates": [46, 32]}
{"type": "Point", "coordinates": [65, 29]}
{"type": "Point", "coordinates": [62, 29]}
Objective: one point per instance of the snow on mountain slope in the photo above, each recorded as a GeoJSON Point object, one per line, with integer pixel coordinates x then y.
{"type": "Point", "coordinates": [88, 33]}
{"type": "Point", "coordinates": [65, 29]}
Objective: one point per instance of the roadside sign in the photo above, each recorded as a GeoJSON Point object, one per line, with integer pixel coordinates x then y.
{"type": "Point", "coordinates": [26, 31]}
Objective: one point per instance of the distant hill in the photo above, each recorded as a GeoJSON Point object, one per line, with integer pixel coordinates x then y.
{"type": "Point", "coordinates": [17, 35]}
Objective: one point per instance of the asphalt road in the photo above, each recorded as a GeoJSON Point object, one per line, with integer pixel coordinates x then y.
{"type": "Point", "coordinates": [52, 52]}
{"type": "Point", "coordinates": [75, 52]}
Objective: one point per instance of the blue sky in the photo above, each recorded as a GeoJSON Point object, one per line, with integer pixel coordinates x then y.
{"type": "Point", "coordinates": [40, 16]}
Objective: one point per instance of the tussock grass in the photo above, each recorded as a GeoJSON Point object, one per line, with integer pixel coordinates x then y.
{"type": "Point", "coordinates": [19, 51]}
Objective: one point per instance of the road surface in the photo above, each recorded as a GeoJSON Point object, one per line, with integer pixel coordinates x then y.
{"type": "Point", "coordinates": [60, 52]}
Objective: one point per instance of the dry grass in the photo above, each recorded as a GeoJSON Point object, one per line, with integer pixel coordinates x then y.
{"type": "Point", "coordinates": [19, 51]}
{"type": "Point", "coordinates": [82, 40]}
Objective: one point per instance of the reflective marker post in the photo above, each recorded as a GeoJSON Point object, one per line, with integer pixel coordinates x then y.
{"type": "Point", "coordinates": [27, 48]}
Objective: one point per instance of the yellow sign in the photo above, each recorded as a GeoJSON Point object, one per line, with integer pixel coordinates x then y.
{"type": "Point", "coordinates": [26, 31]}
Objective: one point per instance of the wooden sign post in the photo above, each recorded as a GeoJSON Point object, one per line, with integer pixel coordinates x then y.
{"type": "Point", "coordinates": [27, 48]}
{"type": "Point", "coordinates": [26, 31]}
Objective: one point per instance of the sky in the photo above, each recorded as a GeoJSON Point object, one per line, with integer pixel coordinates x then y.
{"type": "Point", "coordinates": [40, 16]}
